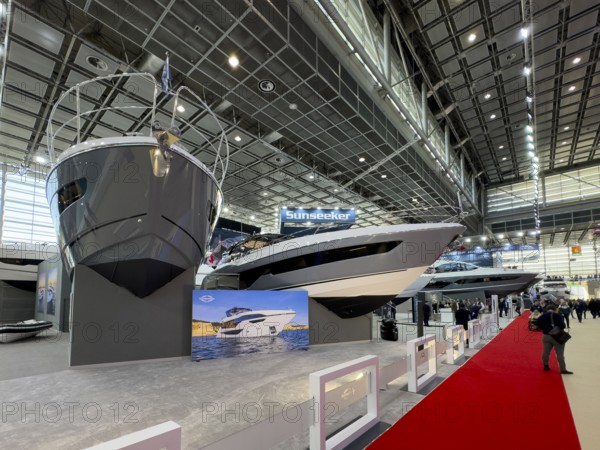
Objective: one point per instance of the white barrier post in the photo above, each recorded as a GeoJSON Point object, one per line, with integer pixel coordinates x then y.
{"type": "Point", "coordinates": [474, 329]}
{"type": "Point", "coordinates": [164, 436]}
{"type": "Point", "coordinates": [428, 341]}
{"type": "Point", "coordinates": [317, 381]}
{"type": "Point", "coordinates": [455, 336]}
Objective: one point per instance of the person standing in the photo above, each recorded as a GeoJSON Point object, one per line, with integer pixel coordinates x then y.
{"type": "Point", "coordinates": [580, 308]}
{"type": "Point", "coordinates": [546, 322]}
{"type": "Point", "coordinates": [565, 310]}
{"type": "Point", "coordinates": [501, 306]}
{"type": "Point", "coordinates": [426, 313]}
{"type": "Point", "coordinates": [462, 317]}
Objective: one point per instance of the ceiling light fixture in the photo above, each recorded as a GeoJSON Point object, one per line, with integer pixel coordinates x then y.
{"type": "Point", "coordinates": [234, 61]}
{"type": "Point", "coordinates": [472, 37]}
{"type": "Point", "coordinates": [361, 159]}
{"type": "Point", "coordinates": [501, 147]}
{"type": "Point", "coordinates": [530, 154]}
{"type": "Point", "coordinates": [528, 98]}
{"type": "Point", "coordinates": [384, 176]}
{"type": "Point", "coordinates": [529, 138]}
{"type": "Point", "coordinates": [487, 96]}
{"type": "Point", "coordinates": [563, 143]}
{"type": "Point", "coordinates": [530, 145]}
{"type": "Point", "coordinates": [500, 236]}
{"type": "Point", "coordinates": [237, 138]}
{"type": "Point", "coordinates": [252, 217]}
{"type": "Point", "coordinates": [504, 159]}
{"type": "Point", "coordinates": [529, 129]}
{"type": "Point", "coordinates": [527, 71]}
{"type": "Point", "coordinates": [40, 159]}
{"type": "Point", "coordinates": [226, 209]}
{"type": "Point", "coordinates": [180, 108]}
{"type": "Point", "coordinates": [312, 177]}
{"type": "Point", "coordinates": [493, 116]}
{"type": "Point", "coordinates": [577, 60]}
{"type": "Point", "coordinates": [567, 127]}
{"type": "Point", "coordinates": [524, 32]}
{"type": "Point", "coordinates": [572, 88]}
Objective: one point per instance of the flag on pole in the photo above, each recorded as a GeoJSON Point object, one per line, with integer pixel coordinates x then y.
{"type": "Point", "coordinates": [166, 76]}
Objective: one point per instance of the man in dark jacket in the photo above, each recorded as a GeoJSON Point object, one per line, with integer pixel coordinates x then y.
{"type": "Point", "coordinates": [546, 322]}
{"type": "Point", "coordinates": [426, 313]}
{"type": "Point", "coordinates": [462, 317]}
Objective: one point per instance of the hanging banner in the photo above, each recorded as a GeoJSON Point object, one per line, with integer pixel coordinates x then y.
{"type": "Point", "coordinates": [576, 250]}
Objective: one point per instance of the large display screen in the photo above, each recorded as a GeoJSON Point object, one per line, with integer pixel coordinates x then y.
{"type": "Point", "coordinates": [233, 323]}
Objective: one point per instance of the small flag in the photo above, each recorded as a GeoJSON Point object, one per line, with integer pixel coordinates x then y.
{"type": "Point", "coordinates": [166, 76]}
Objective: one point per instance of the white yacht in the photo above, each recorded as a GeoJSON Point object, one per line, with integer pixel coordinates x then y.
{"type": "Point", "coordinates": [351, 272]}
{"type": "Point", "coordinates": [248, 323]}
{"type": "Point", "coordinates": [10, 332]}
{"type": "Point", "coordinates": [553, 288]}
{"type": "Point", "coordinates": [456, 277]}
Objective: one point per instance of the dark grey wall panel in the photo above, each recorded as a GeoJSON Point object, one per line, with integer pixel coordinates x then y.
{"type": "Point", "coordinates": [326, 327]}
{"type": "Point", "coordinates": [112, 325]}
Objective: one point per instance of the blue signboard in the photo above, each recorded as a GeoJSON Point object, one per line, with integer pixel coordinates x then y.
{"type": "Point", "coordinates": [301, 215]}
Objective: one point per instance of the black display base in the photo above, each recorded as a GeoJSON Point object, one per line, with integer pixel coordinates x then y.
{"type": "Point", "coordinates": [109, 324]}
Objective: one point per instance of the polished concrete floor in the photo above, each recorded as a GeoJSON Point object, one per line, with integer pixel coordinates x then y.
{"type": "Point", "coordinates": [46, 405]}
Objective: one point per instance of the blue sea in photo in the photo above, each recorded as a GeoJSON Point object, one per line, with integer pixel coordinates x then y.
{"type": "Point", "coordinates": [211, 347]}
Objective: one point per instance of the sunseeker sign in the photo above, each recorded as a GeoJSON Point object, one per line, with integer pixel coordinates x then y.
{"type": "Point", "coordinates": [318, 215]}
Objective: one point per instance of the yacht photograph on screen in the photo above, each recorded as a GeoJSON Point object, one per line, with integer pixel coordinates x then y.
{"type": "Point", "coordinates": [233, 323]}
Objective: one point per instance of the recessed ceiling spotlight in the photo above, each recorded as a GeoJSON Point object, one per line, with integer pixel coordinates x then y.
{"type": "Point", "coordinates": [493, 116]}
{"type": "Point", "coordinates": [563, 143]}
{"type": "Point", "coordinates": [483, 238]}
{"type": "Point", "coordinates": [530, 145]}
{"type": "Point", "coordinates": [487, 96]}
{"type": "Point", "coordinates": [336, 190]}
{"type": "Point", "coordinates": [501, 147]}
{"type": "Point", "coordinates": [253, 217]}
{"type": "Point", "coordinates": [40, 159]}
{"type": "Point", "coordinates": [96, 63]}
{"type": "Point", "coordinates": [536, 159]}
{"type": "Point", "coordinates": [500, 236]}
{"type": "Point", "coordinates": [524, 32]}
{"type": "Point", "coordinates": [567, 127]}
{"type": "Point", "coordinates": [529, 129]}
{"type": "Point", "coordinates": [384, 176]}
{"type": "Point", "coordinates": [361, 159]}
{"type": "Point", "coordinates": [180, 108]}
{"type": "Point", "coordinates": [234, 61]}
{"type": "Point", "coordinates": [527, 70]}
{"type": "Point", "coordinates": [577, 60]}
{"type": "Point", "coordinates": [520, 234]}
{"type": "Point", "coordinates": [265, 193]}
{"type": "Point", "coordinates": [504, 159]}
{"type": "Point", "coordinates": [312, 177]}
{"type": "Point", "coordinates": [472, 37]}
{"type": "Point", "coordinates": [237, 138]}
{"type": "Point", "coordinates": [293, 106]}
{"type": "Point", "coordinates": [571, 88]}
{"type": "Point", "coordinates": [562, 160]}
{"type": "Point", "coordinates": [528, 98]}
{"type": "Point", "coordinates": [530, 154]}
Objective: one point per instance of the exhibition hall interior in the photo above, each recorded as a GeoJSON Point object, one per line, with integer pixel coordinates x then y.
{"type": "Point", "coordinates": [285, 224]}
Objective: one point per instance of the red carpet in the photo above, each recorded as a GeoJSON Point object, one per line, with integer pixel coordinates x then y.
{"type": "Point", "coordinates": [499, 399]}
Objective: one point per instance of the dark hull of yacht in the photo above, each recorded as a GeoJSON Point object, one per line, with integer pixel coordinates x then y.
{"type": "Point", "coordinates": [135, 217]}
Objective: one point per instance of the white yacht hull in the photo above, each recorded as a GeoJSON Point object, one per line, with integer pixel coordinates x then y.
{"type": "Point", "coordinates": [270, 326]}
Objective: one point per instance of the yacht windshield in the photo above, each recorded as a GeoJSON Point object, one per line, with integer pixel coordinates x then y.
{"type": "Point", "coordinates": [253, 243]}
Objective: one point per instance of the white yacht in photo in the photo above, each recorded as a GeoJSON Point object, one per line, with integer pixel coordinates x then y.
{"type": "Point", "coordinates": [351, 272]}
{"type": "Point", "coordinates": [553, 288]}
{"type": "Point", "coordinates": [248, 323]}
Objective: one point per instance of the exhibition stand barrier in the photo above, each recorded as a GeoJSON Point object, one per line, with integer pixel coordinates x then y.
{"type": "Point", "coordinates": [474, 331]}
{"type": "Point", "coordinates": [455, 343]}
{"type": "Point", "coordinates": [313, 415]}
{"type": "Point", "coordinates": [365, 384]}
{"type": "Point", "coordinates": [418, 357]}
{"type": "Point", "coordinates": [165, 436]}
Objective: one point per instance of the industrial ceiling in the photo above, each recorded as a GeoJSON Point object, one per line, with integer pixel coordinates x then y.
{"type": "Point", "coordinates": [323, 136]}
